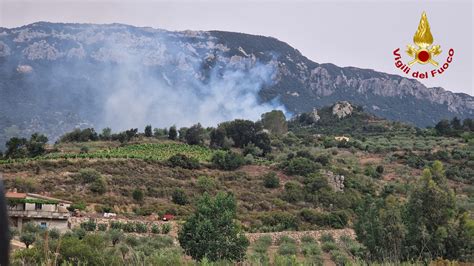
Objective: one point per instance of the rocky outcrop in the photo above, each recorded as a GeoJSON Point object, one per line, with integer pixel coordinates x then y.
{"type": "Point", "coordinates": [342, 109]}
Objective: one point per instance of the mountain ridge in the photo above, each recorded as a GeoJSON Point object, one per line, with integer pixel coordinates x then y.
{"type": "Point", "coordinates": [63, 73]}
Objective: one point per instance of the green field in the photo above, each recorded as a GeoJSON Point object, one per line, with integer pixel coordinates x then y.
{"type": "Point", "coordinates": [150, 151]}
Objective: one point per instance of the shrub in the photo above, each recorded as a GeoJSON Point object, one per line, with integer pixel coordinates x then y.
{"type": "Point", "coordinates": [311, 249]}
{"type": "Point", "coordinates": [301, 166]}
{"type": "Point", "coordinates": [328, 246]}
{"type": "Point", "coordinates": [137, 195]}
{"type": "Point", "coordinates": [285, 239]}
{"type": "Point", "coordinates": [77, 206]}
{"type": "Point", "coordinates": [54, 233]}
{"type": "Point", "coordinates": [307, 239]}
{"type": "Point", "coordinates": [116, 225]}
{"type": "Point", "coordinates": [155, 229]}
{"type": "Point", "coordinates": [293, 192]}
{"type": "Point", "coordinates": [89, 225]}
{"type": "Point", "coordinates": [379, 169]}
{"type": "Point", "coordinates": [206, 184]}
{"type": "Point", "coordinates": [141, 228]}
{"type": "Point", "coordinates": [166, 228]}
{"type": "Point", "coordinates": [227, 160]}
{"type": "Point", "coordinates": [99, 186]}
{"type": "Point", "coordinates": [326, 238]}
{"type": "Point", "coordinates": [179, 197]}
{"type": "Point", "coordinates": [183, 161]}
{"type": "Point", "coordinates": [102, 227]}
{"type": "Point", "coordinates": [88, 175]}
{"type": "Point", "coordinates": [271, 180]}
{"type": "Point", "coordinates": [287, 248]}
{"type": "Point", "coordinates": [339, 257]}
{"type": "Point", "coordinates": [279, 221]}
{"type": "Point", "coordinates": [128, 227]}
{"type": "Point", "coordinates": [262, 244]}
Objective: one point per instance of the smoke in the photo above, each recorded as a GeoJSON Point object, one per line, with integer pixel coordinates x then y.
{"type": "Point", "coordinates": [178, 89]}
{"type": "Point", "coordinates": [118, 76]}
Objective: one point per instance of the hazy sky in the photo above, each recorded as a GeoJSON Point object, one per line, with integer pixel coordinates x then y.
{"type": "Point", "coordinates": [346, 33]}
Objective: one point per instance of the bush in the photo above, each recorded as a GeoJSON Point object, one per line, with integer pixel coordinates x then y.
{"type": "Point", "coordinates": [307, 239]}
{"type": "Point", "coordinates": [227, 160]}
{"type": "Point", "coordinates": [116, 225]}
{"type": "Point", "coordinates": [54, 233]}
{"type": "Point", "coordinates": [88, 175]}
{"type": "Point", "coordinates": [179, 197]}
{"type": "Point", "coordinates": [137, 195]}
{"type": "Point", "coordinates": [339, 257]}
{"type": "Point", "coordinates": [99, 186]}
{"type": "Point", "coordinates": [155, 229]}
{"type": "Point", "coordinates": [89, 225]}
{"type": "Point", "coordinates": [293, 192]}
{"type": "Point", "coordinates": [328, 246]}
{"type": "Point", "coordinates": [287, 248]}
{"type": "Point", "coordinates": [311, 249]}
{"type": "Point", "coordinates": [183, 161]}
{"type": "Point", "coordinates": [271, 180]}
{"type": "Point", "coordinates": [206, 184]}
{"type": "Point", "coordinates": [128, 227]}
{"type": "Point", "coordinates": [326, 238]}
{"type": "Point", "coordinates": [141, 228]}
{"type": "Point", "coordinates": [166, 228]}
{"type": "Point", "coordinates": [279, 221]}
{"type": "Point", "coordinates": [262, 244]}
{"type": "Point", "coordinates": [301, 166]}
{"type": "Point", "coordinates": [102, 227]}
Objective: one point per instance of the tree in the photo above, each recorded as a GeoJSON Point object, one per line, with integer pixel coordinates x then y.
{"type": "Point", "coordinates": [195, 135]}
{"type": "Point", "coordinates": [172, 133]}
{"type": "Point", "coordinates": [211, 232]}
{"type": "Point", "coordinates": [443, 127]}
{"type": "Point", "coordinates": [430, 209]}
{"type": "Point", "coordinates": [16, 148]}
{"type": "Point", "coordinates": [28, 238]}
{"type": "Point", "coordinates": [179, 197]}
{"type": "Point", "coordinates": [380, 228]}
{"type": "Point", "coordinates": [456, 123]}
{"type": "Point", "coordinates": [275, 122]}
{"type": "Point", "coordinates": [106, 133]}
{"type": "Point", "coordinates": [218, 136]}
{"type": "Point", "coordinates": [36, 145]}
{"type": "Point", "coordinates": [148, 131]}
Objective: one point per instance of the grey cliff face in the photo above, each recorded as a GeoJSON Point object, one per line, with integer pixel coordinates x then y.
{"type": "Point", "coordinates": [55, 68]}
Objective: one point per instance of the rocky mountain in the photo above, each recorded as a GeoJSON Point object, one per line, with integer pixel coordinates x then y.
{"type": "Point", "coordinates": [55, 76]}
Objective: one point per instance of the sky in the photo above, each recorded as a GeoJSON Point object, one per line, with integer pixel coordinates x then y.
{"type": "Point", "coordinates": [346, 33]}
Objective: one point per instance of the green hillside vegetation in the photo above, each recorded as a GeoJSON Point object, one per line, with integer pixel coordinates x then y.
{"type": "Point", "coordinates": [289, 176]}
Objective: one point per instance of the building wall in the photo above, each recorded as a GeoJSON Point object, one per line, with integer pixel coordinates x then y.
{"type": "Point", "coordinates": [61, 225]}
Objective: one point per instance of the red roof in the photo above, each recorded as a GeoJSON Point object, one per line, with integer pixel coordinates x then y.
{"type": "Point", "coordinates": [15, 195]}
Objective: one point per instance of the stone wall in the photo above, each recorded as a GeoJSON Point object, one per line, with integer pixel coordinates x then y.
{"type": "Point", "coordinates": [297, 235]}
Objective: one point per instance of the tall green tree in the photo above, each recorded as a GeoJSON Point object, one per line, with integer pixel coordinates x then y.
{"type": "Point", "coordinates": [275, 122]}
{"type": "Point", "coordinates": [148, 131]}
{"type": "Point", "coordinates": [195, 135]}
{"type": "Point", "coordinates": [430, 209]}
{"type": "Point", "coordinates": [172, 133]}
{"type": "Point", "coordinates": [211, 232]}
